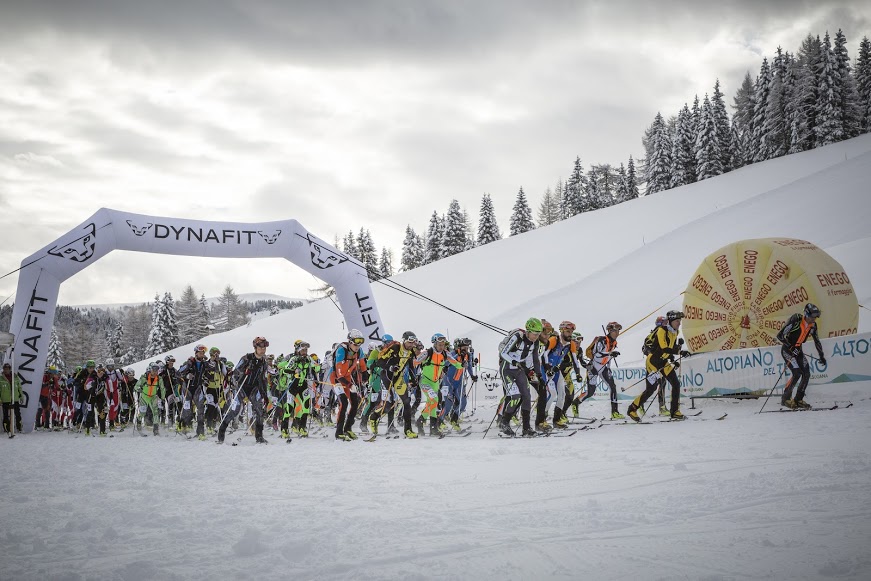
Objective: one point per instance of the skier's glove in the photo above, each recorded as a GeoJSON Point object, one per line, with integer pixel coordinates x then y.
{"type": "Point", "coordinates": [823, 360]}
{"type": "Point", "coordinates": [614, 354]}
{"type": "Point", "coordinates": [680, 341]}
{"type": "Point", "coordinates": [675, 365]}
{"type": "Point", "coordinates": [685, 353]}
{"type": "Point", "coordinates": [474, 378]}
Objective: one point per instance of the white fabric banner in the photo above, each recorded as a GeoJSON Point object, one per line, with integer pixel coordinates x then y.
{"type": "Point", "coordinates": [43, 272]}
{"type": "Point", "coordinates": [754, 370]}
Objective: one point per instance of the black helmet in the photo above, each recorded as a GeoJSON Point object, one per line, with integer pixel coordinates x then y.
{"type": "Point", "coordinates": [811, 310]}
{"type": "Point", "coordinates": [409, 336]}
{"type": "Point", "coordinates": [674, 315]}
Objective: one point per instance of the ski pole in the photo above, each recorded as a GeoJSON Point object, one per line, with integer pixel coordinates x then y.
{"type": "Point", "coordinates": [498, 409]}
{"type": "Point", "coordinates": [772, 389]}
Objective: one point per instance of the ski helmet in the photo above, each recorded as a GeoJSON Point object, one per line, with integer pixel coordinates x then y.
{"type": "Point", "coordinates": [314, 357]}
{"type": "Point", "coordinates": [229, 366]}
{"type": "Point", "coordinates": [90, 363]}
{"type": "Point", "coordinates": [154, 367]}
{"type": "Point", "coordinates": [110, 363]}
{"type": "Point", "coordinates": [260, 342]}
{"type": "Point", "coordinates": [169, 359]}
{"type": "Point", "coordinates": [567, 325]}
{"type": "Point", "coordinates": [533, 325]}
{"type": "Point", "coordinates": [437, 338]}
{"type": "Point", "coordinates": [661, 321]}
{"type": "Point", "coordinates": [546, 327]}
{"type": "Point", "coordinates": [131, 372]}
{"type": "Point", "coordinates": [613, 326]}
{"type": "Point", "coordinates": [386, 338]}
{"type": "Point", "coordinates": [300, 345]}
{"type": "Point", "coordinates": [576, 336]}
{"type": "Point", "coordinates": [674, 315]}
{"type": "Point", "coordinates": [78, 368]}
{"type": "Point", "coordinates": [409, 336]}
{"type": "Point", "coordinates": [52, 369]}
{"type": "Point", "coordinates": [372, 346]}
{"type": "Point", "coordinates": [356, 337]}
{"type": "Point", "coordinates": [214, 350]}
{"type": "Point", "coordinates": [811, 310]}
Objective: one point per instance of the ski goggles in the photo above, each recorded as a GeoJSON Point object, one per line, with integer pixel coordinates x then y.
{"type": "Point", "coordinates": [302, 346]}
{"type": "Point", "coordinates": [411, 339]}
{"type": "Point", "coordinates": [357, 340]}
{"type": "Point", "coordinates": [262, 344]}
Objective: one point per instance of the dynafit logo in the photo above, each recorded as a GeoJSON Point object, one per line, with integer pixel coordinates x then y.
{"type": "Point", "coordinates": [139, 230]}
{"type": "Point", "coordinates": [79, 250]}
{"type": "Point", "coordinates": [270, 238]}
{"type": "Point", "coordinates": [323, 257]}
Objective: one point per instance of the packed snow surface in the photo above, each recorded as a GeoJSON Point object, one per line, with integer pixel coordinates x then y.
{"type": "Point", "coordinates": [772, 495]}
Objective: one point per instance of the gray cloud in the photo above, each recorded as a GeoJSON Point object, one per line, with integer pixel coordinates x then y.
{"type": "Point", "coordinates": [348, 114]}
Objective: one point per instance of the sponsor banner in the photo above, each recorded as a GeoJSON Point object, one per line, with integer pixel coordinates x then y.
{"type": "Point", "coordinates": [757, 369]}
{"type": "Point", "coordinates": [742, 294]}
{"type": "Point", "coordinates": [42, 273]}
{"type": "Point", "coordinates": [736, 371]}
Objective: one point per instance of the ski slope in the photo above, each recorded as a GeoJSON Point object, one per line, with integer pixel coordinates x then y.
{"type": "Point", "coordinates": [772, 495]}
{"type": "Point", "coordinates": [619, 263]}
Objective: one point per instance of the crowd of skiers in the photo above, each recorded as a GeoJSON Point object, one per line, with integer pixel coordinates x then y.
{"type": "Point", "coordinates": [400, 381]}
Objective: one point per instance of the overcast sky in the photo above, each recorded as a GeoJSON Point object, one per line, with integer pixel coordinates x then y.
{"type": "Point", "coordinates": [339, 114]}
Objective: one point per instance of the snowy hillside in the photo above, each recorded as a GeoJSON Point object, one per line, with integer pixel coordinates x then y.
{"type": "Point", "coordinates": [619, 263]}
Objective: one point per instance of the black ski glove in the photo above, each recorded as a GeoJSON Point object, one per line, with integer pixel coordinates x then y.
{"type": "Point", "coordinates": [823, 360]}
{"type": "Point", "coordinates": [614, 354]}
{"type": "Point", "coordinates": [685, 353]}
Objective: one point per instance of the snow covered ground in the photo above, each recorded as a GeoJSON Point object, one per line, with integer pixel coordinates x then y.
{"type": "Point", "coordinates": [776, 495]}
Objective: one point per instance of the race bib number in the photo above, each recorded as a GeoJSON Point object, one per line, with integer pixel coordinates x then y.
{"type": "Point", "coordinates": [654, 377]}
{"type": "Point", "coordinates": [235, 404]}
{"type": "Point", "coordinates": [186, 405]}
{"type": "Point", "coordinates": [374, 397]}
{"type": "Point", "coordinates": [143, 408]}
{"type": "Point", "coordinates": [78, 405]}
{"type": "Point", "coordinates": [512, 390]}
{"type": "Point", "coordinates": [431, 394]}
{"type": "Point", "coordinates": [593, 380]}
{"type": "Point", "coordinates": [210, 399]}
{"type": "Point", "coordinates": [308, 393]}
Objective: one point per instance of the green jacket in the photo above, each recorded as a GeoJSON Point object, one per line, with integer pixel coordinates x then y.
{"type": "Point", "coordinates": [150, 388]}
{"type": "Point", "coordinates": [6, 389]}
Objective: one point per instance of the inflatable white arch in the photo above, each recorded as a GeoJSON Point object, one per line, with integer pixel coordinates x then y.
{"type": "Point", "coordinates": [42, 273]}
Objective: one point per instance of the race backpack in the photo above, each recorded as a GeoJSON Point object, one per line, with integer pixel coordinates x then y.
{"type": "Point", "coordinates": [507, 338]}
{"type": "Point", "coordinates": [589, 351]}
{"type": "Point", "coordinates": [650, 341]}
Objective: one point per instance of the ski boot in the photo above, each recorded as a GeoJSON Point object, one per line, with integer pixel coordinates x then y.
{"type": "Point", "coordinates": [505, 428]}
{"type": "Point", "coordinates": [201, 437]}
{"type": "Point", "coordinates": [543, 427]}
{"type": "Point", "coordinates": [420, 424]}
{"type": "Point", "coordinates": [409, 434]}
{"type": "Point", "coordinates": [344, 437]}
{"type": "Point", "coordinates": [456, 426]}
{"type": "Point", "coordinates": [575, 411]}
{"type": "Point", "coordinates": [632, 412]}
{"type": "Point", "coordinates": [392, 430]}
{"type": "Point", "coordinates": [373, 427]}
{"type": "Point", "coordinates": [285, 434]}
{"type": "Point", "coordinates": [261, 440]}
{"type": "Point", "coordinates": [790, 403]}
{"type": "Point", "coordinates": [351, 434]}
{"type": "Point", "coordinates": [801, 404]}
{"type": "Point", "coordinates": [529, 433]}
{"type": "Point", "coordinates": [562, 422]}
{"type": "Point", "coordinates": [678, 415]}
{"type": "Point", "coordinates": [364, 429]}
